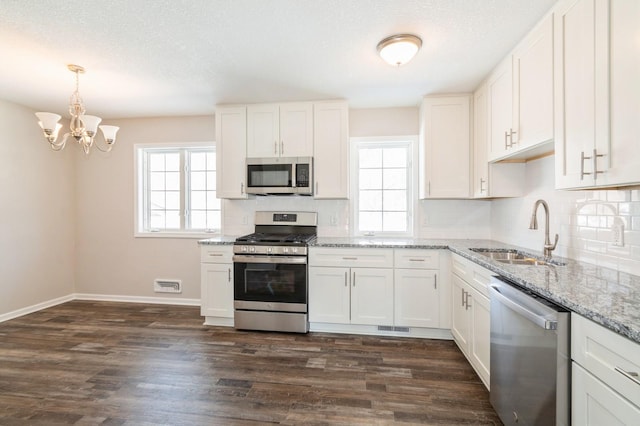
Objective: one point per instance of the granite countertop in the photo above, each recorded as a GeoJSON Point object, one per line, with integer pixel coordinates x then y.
{"type": "Point", "coordinates": [221, 240]}
{"type": "Point", "coordinates": [606, 296]}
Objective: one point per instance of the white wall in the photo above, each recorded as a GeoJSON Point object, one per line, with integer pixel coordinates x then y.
{"type": "Point", "coordinates": [110, 261]}
{"type": "Point", "coordinates": [583, 219]}
{"type": "Point", "coordinates": [37, 213]}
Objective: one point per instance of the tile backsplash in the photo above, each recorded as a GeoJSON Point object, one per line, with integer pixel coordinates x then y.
{"type": "Point", "coordinates": [583, 219]}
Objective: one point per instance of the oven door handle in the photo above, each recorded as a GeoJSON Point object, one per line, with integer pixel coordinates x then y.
{"type": "Point", "coordinates": [293, 260]}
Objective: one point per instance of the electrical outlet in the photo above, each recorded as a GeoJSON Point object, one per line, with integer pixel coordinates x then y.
{"type": "Point", "coordinates": [618, 234]}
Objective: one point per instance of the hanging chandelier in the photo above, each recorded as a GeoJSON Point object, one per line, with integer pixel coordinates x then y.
{"type": "Point", "coordinates": [83, 127]}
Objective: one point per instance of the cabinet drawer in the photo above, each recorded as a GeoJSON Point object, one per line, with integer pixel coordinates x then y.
{"type": "Point", "coordinates": [216, 254]}
{"type": "Point", "coordinates": [607, 355]}
{"type": "Point", "coordinates": [360, 258]}
{"type": "Point", "coordinates": [416, 259]}
{"type": "Point", "coordinates": [461, 267]}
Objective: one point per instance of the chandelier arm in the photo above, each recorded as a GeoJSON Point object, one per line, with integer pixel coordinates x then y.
{"type": "Point", "coordinates": [109, 146]}
{"type": "Point", "coordinates": [58, 146]}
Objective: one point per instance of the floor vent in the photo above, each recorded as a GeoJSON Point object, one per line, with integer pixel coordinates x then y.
{"type": "Point", "coordinates": [167, 286]}
{"type": "Point", "coordinates": [390, 328]}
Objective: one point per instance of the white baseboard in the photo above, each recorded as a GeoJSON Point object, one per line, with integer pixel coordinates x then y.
{"type": "Point", "coordinates": [100, 298]}
{"type": "Point", "coordinates": [136, 299]}
{"type": "Point", "coordinates": [35, 308]}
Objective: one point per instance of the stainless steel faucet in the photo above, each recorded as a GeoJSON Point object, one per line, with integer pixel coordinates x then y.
{"type": "Point", "coordinates": [548, 247]}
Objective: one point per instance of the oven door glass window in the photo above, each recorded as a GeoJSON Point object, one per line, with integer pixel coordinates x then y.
{"type": "Point", "coordinates": [270, 175]}
{"type": "Point", "coordinates": [270, 282]}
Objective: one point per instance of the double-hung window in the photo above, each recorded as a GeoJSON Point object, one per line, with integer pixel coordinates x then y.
{"type": "Point", "coordinates": [176, 190]}
{"type": "Point", "coordinates": [382, 176]}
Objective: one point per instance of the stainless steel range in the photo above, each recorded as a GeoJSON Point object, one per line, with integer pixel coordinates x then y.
{"type": "Point", "coordinates": [271, 283]}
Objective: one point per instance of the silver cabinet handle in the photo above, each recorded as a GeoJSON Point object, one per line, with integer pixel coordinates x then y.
{"type": "Point", "coordinates": [466, 301]}
{"type": "Point", "coordinates": [506, 144]}
{"type": "Point", "coordinates": [429, 188]}
{"type": "Point", "coordinates": [354, 279]}
{"type": "Point", "coordinates": [345, 278]}
{"type": "Point", "coordinates": [229, 275]}
{"type": "Point", "coordinates": [215, 254]}
{"type": "Point", "coordinates": [316, 188]}
{"type": "Point", "coordinates": [582, 172]}
{"type": "Point", "coordinates": [435, 281]}
{"type": "Point", "coordinates": [349, 258]}
{"type": "Point", "coordinates": [416, 260]}
{"type": "Point", "coordinates": [275, 147]}
{"type": "Point", "coordinates": [282, 148]}
{"type": "Point", "coordinates": [242, 187]}
{"type": "Point", "coordinates": [595, 164]}
{"type": "Point", "coordinates": [511, 142]}
{"type": "Point", "coordinates": [462, 293]}
{"type": "Point", "coordinates": [482, 181]}
{"type": "Point", "coordinates": [631, 375]}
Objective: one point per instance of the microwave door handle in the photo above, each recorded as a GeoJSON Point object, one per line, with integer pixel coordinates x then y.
{"type": "Point", "coordinates": [294, 172]}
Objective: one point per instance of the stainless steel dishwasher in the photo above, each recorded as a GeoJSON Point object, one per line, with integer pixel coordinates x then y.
{"type": "Point", "coordinates": [530, 357]}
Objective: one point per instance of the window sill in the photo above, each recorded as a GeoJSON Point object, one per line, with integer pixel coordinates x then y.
{"type": "Point", "coordinates": [188, 235]}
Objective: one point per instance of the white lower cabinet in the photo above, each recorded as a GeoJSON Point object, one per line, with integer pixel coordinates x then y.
{"type": "Point", "coordinates": [216, 284]}
{"type": "Point", "coordinates": [398, 290]}
{"type": "Point", "coordinates": [345, 287]}
{"type": "Point", "coordinates": [471, 314]}
{"type": "Point", "coordinates": [605, 383]}
{"type": "Point", "coordinates": [351, 295]}
{"type": "Point", "coordinates": [417, 290]}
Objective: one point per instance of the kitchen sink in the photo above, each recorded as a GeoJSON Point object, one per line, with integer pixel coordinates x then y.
{"type": "Point", "coordinates": [515, 257]}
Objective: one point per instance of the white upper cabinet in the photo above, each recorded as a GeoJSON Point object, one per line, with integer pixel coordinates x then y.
{"type": "Point", "coordinates": [331, 149]}
{"type": "Point", "coordinates": [280, 130]}
{"type": "Point", "coordinates": [445, 147]}
{"type": "Point", "coordinates": [500, 109]}
{"type": "Point", "coordinates": [520, 98]}
{"type": "Point", "coordinates": [491, 179]}
{"type": "Point", "coordinates": [597, 93]}
{"type": "Point", "coordinates": [533, 88]}
{"type": "Point", "coordinates": [231, 151]}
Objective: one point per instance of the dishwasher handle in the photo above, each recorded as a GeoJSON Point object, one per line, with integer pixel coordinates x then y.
{"type": "Point", "coordinates": [538, 320]}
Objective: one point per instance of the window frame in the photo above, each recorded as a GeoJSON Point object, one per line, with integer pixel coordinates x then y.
{"type": "Point", "coordinates": [411, 141]}
{"type": "Point", "coordinates": [140, 191]}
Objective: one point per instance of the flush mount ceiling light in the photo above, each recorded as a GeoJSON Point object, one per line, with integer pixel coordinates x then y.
{"type": "Point", "coordinates": [83, 127]}
{"type": "Point", "coordinates": [399, 49]}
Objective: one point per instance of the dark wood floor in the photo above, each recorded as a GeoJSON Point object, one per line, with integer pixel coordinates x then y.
{"type": "Point", "coordinates": [132, 364]}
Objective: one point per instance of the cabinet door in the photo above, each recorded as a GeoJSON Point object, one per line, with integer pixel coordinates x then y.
{"type": "Point", "coordinates": [460, 317]}
{"type": "Point", "coordinates": [480, 343]}
{"type": "Point", "coordinates": [416, 298]}
{"type": "Point", "coordinates": [623, 163]}
{"type": "Point", "coordinates": [296, 129]}
{"type": "Point", "coordinates": [331, 149]}
{"type": "Point", "coordinates": [445, 147]}
{"type": "Point", "coordinates": [372, 296]}
{"type": "Point", "coordinates": [216, 290]}
{"type": "Point", "coordinates": [533, 87]}
{"type": "Point", "coordinates": [580, 110]}
{"type": "Point", "coordinates": [263, 130]}
{"type": "Point", "coordinates": [480, 154]}
{"type": "Point", "coordinates": [593, 403]}
{"type": "Point", "coordinates": [231, 151]}
{"type": "Point", "coordinates": [500, 107]}
{"type": "Point", "coordinates": [329, 295]}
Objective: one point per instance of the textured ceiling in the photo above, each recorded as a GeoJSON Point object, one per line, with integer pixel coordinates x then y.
{"type": "Point", "coordinates": [182, 57]}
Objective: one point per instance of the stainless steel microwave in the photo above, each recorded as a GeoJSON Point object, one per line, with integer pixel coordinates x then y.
{"type": "Point", "coordinates": [280, 175]}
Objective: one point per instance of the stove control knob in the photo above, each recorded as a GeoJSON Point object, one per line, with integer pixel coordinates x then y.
{"type": "Point", "coordinates": [244, 249]}
{"type": "Point", "coordinates": [269, 249]}
{"type": "Point", "coordinates": [252, 249]}
{"type": "Point", "coordinates": [294, 249]}
{"type": "Point", "coordinates": [285, 249]}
